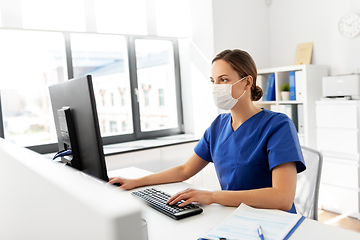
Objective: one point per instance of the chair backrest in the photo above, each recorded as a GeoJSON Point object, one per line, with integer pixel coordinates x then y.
{"type": "Point", "coordinates": [308, 182]}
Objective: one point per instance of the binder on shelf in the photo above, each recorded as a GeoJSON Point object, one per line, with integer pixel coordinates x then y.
{"type": "Point", "coordinates": [271, 93]}
{"type": "Point", "coordinates": [292, 86]}
{"type": "Point", "coordinates": [275, 108]}
{"type": "Point", "coordinates": [299, 81]}
{"type": "Point", "coordinates": [300, 112]}
{"type": "Point", "coordinates": [291, 110]}
{"type": "Point", "coordinates": [243, 222]}
{"type": "Point", "coordinates": [266, 93]}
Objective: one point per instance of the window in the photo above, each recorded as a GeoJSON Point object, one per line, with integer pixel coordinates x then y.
{"type": "Point", "coordinates": [122, 96]}
{"type": "Point", "coordinates": [112, 100]}
{"type": "Point", "coordinates": [103, 125]}
{"type": "Point", "coordinates": [30, 61]}
{"type": "Point", "coordinates": [146, 96]}
{"type": "Point", "coordinates": [156, 70]}
{"type": "Point", "coordinates": [136, 84]}
{"type": "Point", "coordinates": [105, 58]}
{"type": "Point", "coordinates": [113, 126]}
{"type": "Point", "coordinates": [161, 97]}
{"type": "Point", "coordinates": [102, 93]}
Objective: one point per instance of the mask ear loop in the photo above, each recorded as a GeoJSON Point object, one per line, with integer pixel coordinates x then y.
{"type": "Point", "coordinates": [238, 81]}
{"type": "Point", "coordinates": [241, 95]}
{"type": "Point", "coordinates": [233, 85]}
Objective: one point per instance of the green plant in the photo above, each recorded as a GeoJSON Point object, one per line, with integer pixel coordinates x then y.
{"type": "Point", "coordinates": [285, 87]}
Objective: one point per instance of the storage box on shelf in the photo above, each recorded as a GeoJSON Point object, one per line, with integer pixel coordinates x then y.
{"type": "Point", "coordinates": [338, 139]}
{"type": "Point", "coordinates": [305, 85]}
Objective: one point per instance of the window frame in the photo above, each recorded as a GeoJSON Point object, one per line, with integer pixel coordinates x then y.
{"type": "Point", "coordinates": [137, 133]}
{"type": "Point", "coordinates": [134, 80]}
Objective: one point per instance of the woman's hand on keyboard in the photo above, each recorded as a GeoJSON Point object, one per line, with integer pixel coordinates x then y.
{"type": "Point", "coordinates": [125, 183]}
{"type": "Point", "coordinates": [191, 195]}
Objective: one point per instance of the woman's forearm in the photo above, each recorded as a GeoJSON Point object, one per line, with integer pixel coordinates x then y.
{"type": "Point", "coordinates": [270, 198]}
{"type": "Point", "coordinates": [280, 196]}
{"type": "Point", "coordinates": [175, 174]}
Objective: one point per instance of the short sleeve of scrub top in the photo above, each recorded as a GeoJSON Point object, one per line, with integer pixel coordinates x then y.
{"type": "Point", "coordinates": [244, 158]}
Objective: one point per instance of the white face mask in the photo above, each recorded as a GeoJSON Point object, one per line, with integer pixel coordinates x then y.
{"type": "Point", "coordinates": [222, 95]}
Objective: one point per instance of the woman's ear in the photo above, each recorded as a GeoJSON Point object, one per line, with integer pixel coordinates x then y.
{"type": "Point", "coordinates": [249, 81]}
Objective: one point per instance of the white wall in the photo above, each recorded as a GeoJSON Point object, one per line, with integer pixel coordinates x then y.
{"type": "Point", "coordinates": [11, 14]}
{"type": "Point", "coordinates": [242, 24]}
{"type": "Point", "coordinates": [293, 22]}
{"type": "Point", "coordinates": [196, 54]}
{"type": "Point", "coordinates": [218, 25]}
{"type": "Point", "coordinates": [271, 33]}
{"type": "Point", "coordinates": [198, 107]}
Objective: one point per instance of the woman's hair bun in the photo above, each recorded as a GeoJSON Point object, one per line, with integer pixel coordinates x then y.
{"type": "Point", "coordinates": [256, 93]}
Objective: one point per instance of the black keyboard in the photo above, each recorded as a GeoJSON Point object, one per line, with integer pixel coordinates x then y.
{"type": "Point", "coordinates": [157, 199]}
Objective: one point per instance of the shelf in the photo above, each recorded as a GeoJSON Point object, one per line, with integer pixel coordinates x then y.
{"type": "Point", "coordinates": [279, 102]}
{"type": "Point", "coordinates": [289, 102]}
{"type": "Point", "coordinates": [266, 102]}
{"type": "Point", "coordinates": [308, 83]}
{"type": "Point", "coordinates": [282, 69]}
{"type": "Point", "coordinates": [289, 68]}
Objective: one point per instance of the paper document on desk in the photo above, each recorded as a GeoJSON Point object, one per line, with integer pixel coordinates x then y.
{"type": "Point", "coordinates": [242, 223]}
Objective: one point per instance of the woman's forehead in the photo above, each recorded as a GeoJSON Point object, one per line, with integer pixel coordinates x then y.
{"type": "Point", "coordinates": [221, 68]}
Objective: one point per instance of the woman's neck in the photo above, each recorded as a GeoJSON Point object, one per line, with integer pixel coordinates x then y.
{"type": "Point", "coordinates": [243, 112]}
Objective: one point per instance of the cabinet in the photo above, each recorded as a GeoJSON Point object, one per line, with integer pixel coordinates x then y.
{"type": "Point", "coordinates": [308, 82]}
{"type": "Point", "coordinates": [338, 138]}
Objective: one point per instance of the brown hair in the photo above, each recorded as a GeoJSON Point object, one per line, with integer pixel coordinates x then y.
{"type": "Point", "coordinates": [243, 63]}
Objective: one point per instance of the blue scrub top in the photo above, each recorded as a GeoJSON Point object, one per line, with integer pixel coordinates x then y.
{"type": "Point", "coordinates": [245, 157]}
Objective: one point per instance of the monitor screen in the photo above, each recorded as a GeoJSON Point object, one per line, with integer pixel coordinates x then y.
{"type": "Point", "coordinates": [77, 97]}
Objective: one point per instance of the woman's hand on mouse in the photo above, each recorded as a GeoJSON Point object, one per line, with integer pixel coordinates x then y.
{"type": "Point", "coordinates": [125, 183]}
{"type": "Point", "coordinates": [191, 195]}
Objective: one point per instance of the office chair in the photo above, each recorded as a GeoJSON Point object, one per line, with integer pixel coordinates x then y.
{"type": "Point", "coordinates": [308, 182]}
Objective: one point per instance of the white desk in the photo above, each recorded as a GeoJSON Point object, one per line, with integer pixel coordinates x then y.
{"type": "Point", "coordinates": [161, 227]}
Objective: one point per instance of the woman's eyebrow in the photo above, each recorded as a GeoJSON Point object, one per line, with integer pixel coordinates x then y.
{"type": "Point", "coordinates": [219, 76]}
{"type": "Point", "coordinates": [222, 75]}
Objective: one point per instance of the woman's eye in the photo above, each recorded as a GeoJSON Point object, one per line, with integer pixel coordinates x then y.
{"type": "Point", "coordinates": [223, 80]}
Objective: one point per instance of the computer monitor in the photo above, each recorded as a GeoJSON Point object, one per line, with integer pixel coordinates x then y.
{"type": "Point", "coordinates": [77, 125]}
{"type": "Point", "coordinates": [42, 200]}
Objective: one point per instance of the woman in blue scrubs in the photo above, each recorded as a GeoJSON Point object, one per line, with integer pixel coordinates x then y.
{"type": "Point", "coordinates": [256, 152]}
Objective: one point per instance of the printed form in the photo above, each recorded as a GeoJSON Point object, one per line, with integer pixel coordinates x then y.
{"type": "Point", "coordinates": [243, 222]}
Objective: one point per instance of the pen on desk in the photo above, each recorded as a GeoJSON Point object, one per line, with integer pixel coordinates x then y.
{"type": "Point", "coordinates": [218, 238]}
{"type": "Point", "coordinates": [260, 233]}
{"type": "Point", "coordinates": [205, 239]}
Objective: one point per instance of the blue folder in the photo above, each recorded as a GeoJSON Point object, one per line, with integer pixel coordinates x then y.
{"type": "Point", "coordinates": [271, 94]}
{"type": "Point", "coordinates": [266, 92]}
{"type": "Point", "coordinates": [292, 84]}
